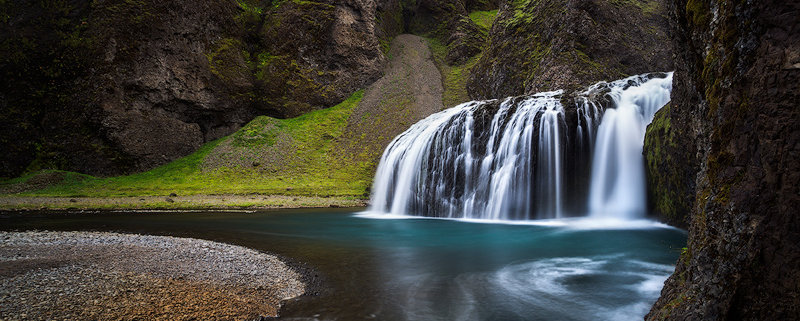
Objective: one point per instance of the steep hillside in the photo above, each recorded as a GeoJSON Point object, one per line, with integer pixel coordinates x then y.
{"type": "Point", "coordinates": [734, 113]}
{"type": "Point", "coordinates": [547, 45]}
{"type": "Point", "coordinates": [244, 162]}
{"type": "Point", "coordinates": [117, 87]}
{"type": "Point", "coordinates": [410, 90]}
{"type": "Point", "coordinates": [110, 87]}
{"type": "Point", "coordinates": [328, 152]}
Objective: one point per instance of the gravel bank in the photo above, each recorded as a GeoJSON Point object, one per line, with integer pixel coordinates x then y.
{"type": "Point", "coordinates": [105, 276]}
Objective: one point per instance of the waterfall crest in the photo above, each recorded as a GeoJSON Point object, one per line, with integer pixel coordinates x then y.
{"type": "Point", "coordinates": [525, 157]}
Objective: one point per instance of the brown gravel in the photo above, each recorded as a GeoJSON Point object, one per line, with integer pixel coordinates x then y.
{"type": "Point", "coordinates": [109, 276]}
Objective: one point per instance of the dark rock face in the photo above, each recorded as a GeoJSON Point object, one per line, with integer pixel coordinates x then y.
{"type": "Point", "coordinates": [670, 166]}
{"type": "Point", "coordinates": [735, 103]}
{"type": "Point", "coordinates": [311, 55]}
{"type": "Point", "coordinates": [449, 21]}
{"type": "Point", "coordinates": [546, 45]}
{"type": "Point", "coordinates": [156, 96]}
{"type": "Point", "coordinates": [110, 87]}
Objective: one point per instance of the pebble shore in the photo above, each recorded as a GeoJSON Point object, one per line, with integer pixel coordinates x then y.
{"type": "Point", "coordinates": [111, 276]}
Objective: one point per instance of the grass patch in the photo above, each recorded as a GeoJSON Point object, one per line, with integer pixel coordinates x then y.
{"type": "Point", "coordinates": [483, 19]}
{"type": "Point", "coordinates": [309, 167]}
{"type": "Point", "coordinates": [226, 202]}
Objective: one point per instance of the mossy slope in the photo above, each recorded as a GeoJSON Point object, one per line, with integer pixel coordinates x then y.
{"type": "Point", "coordinates": [116, 87]}
{"type": "Point", "coordinates": [267, 156]}
{"type": "Point", "coordinates": [327, 152]}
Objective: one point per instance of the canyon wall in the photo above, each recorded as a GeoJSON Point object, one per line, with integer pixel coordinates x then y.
{"type": "Point", "coordinates": [112, 87]}
{"type": "Point", "coordinates": [734, 116]}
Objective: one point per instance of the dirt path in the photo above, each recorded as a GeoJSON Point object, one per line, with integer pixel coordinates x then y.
{"type": "Point", "coordinates": [410, 90]}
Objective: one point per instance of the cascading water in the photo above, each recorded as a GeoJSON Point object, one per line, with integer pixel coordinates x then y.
{"type": "Point", "coordinates": [618, 182]}
{"type": "Point", "coordinates": [525, 157]}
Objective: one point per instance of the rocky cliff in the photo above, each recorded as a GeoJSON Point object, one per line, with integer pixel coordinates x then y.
{"type": "Point", "coordinates": [735, 115]}
{"type": "Point", "coordinates": [109, 87]}
{"type": "Point", "coordinates": [112, 87]}
{"type": "Point", "coordinates": [542, 45]}
{"type": "Point", "coordinates": [449, 21]}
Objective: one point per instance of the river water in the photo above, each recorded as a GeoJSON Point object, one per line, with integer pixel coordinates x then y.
{"type": "Point", "coordinates": [391, 268]}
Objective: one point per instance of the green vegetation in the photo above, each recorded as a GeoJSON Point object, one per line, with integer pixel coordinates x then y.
{"type": "Point", "coordinates": [670, 180]}
{"type": "Point", "coordinates": [483, 19]}
{"type": "Point", "coordinates": [523, 13]}
{"type": "Point", "coordinates": [231, 165]}
{"type": "Point", "coordinates": [454, 78]}
{"type": "Point", "coordinates": [659, 140]}
{"type": "Point", "coordinates": [249, 7]}
{"type": "Point", "coordinates": [225, 60]}
{"type": "Point", "coordinates": [698, 12]}
{"type": "Point", "coordinates": [249, 201]}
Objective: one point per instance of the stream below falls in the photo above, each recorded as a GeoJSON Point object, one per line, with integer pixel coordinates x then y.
{"type": "Point", "coordinates": [430, 269]}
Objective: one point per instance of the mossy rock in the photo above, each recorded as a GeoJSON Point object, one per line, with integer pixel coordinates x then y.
{"type": "Point", "coordinates": [670, 185]}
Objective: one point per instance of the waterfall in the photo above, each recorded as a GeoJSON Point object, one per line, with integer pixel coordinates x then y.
{"type": "Point", "coordinates": [618, 182]}
{"type": "Point", "coordinates": [524, 157]}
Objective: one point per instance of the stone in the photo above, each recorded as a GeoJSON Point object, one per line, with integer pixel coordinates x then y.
{"type": "Point", "coordinates": [743, 131]}
{"type": "Point", "coordinates": [546, 45]}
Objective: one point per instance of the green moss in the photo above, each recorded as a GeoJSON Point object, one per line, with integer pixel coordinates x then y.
{"type": "Point", "coordinates": [454, 78]}
{"type": "Point", "coordinates": [522, 13]}
{"type": "Point", "coordinates": [312, 169]}
{"type": "Point", "coordinates": [534, 53]}
{"type": "Point", "coordinates": [385, 46]}
{"type": "Point", "coordinates": [483, 19]}
{"type": "Point", "coordinates": [226, 60]}
{"type": "Point", "coordinates": [526, 13]}
{"type": "Point", "coordinates": [664, 313]}
{"type": "Point", "coordinates": [698, 12]}
{"type": "Point", "coordinates": [590, 67]}
{"type": "Point", "coordinates": [250, 6]}
{"type": "Point", "coordinates": [728, 110]}
{"type": "Point", "coordinates": [41, 179]}
{"type": "Point", "coordinates": [667, 192]}
{"type": "Point", "coordinates": [47, 50]}
{"type": "Point", "coordinates": [260, 132]}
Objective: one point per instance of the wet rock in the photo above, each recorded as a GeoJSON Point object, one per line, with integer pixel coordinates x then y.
{"type": "Point", "coordinates": [734, 109]}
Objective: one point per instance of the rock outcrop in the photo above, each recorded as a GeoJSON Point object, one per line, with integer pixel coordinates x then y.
{"type": "Point", "coordinates": [110, 87]}
{"type": "Point", "coordinates": [547, 45]}
{"type": "Point", "coordinates": [448, 20]}
{"type": "Point", "coordinates": [670, 165]}
{"type": "Point", "coordinates": [735, 112]}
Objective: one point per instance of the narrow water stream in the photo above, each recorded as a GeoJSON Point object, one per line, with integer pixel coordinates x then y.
{"type": "Point", "coordinates": [431, 269]}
